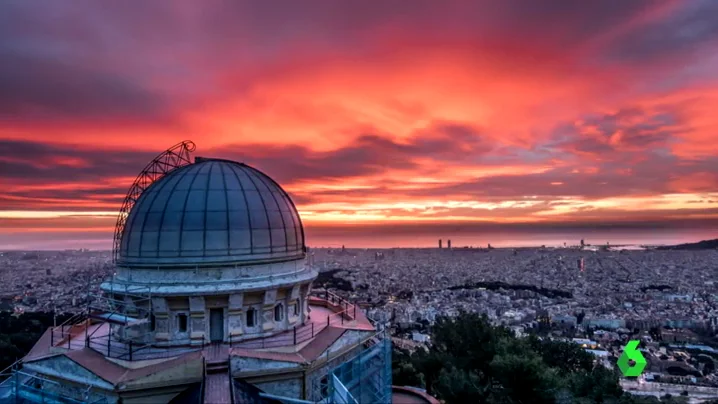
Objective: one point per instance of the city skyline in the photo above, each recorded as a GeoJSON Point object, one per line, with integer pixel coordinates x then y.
{"type": "Point", "coordinates": [373, 117]}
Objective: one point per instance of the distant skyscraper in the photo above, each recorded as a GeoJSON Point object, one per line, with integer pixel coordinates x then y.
{"type": "Point", "coordinates": [439, 243]}
{"type": "Point", "coordinates": [448, 244]}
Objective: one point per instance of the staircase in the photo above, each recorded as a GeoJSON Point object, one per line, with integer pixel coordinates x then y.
{"type": "Point", "coordinates": [217, 375]}
{"type": "Point", "coordinates": [217, 367]}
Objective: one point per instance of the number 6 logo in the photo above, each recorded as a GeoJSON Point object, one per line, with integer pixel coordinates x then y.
{"type": "Point", "coordinates": [630, 352]}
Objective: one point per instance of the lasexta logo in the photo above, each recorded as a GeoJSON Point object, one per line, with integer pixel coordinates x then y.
{"type": "Point", "coordinates": [631, 353]}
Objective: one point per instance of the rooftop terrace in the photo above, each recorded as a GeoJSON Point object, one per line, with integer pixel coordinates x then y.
{"type": "Point", "coordinates": [328, 318]}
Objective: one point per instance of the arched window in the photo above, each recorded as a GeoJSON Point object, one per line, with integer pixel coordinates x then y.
{"type": "Point", "coordinates": [251, 317]}
{"type": "Point", "coordinates": [182, 322]}
{"type": "Point", "coordinates": [296, 308]}
{"type": "Point", "coordinates": [279, 312]}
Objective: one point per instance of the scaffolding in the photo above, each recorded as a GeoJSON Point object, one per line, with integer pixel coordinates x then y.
{"type": "Point", "coordinates": [364, 379]}
{"type": "Point", "coordinates": [118, 324]}
{"type": "Point", "coordinates": [171, 159]}
{"type": "Point", "coordinates": [22, 387]}
{"type": "Point", "coordinates": [126, 320]}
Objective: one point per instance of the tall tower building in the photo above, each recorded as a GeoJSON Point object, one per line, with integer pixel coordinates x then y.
{"type": "Point", "coordinates": [448, 244]}
{"type": "Point", "coordinates": [439, 243]}
{"type": "Point", "coordinates": [211, 302]}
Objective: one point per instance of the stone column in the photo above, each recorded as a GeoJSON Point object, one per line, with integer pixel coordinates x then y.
{"type": "Point", "coordinates": [234, 313]}
{"type": "Point", "coordinates": [270, 297]}
{"type": "Point", "coordinates": [305, 302]}
{"type": "Point", "coordinates": [162, 323]}
{"type": "Point", "coordinates": [294, 301]}
{"type": "Point", "coordinates": [197, 319]}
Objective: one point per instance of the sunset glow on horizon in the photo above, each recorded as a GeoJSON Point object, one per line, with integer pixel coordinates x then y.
{"type": "Point", "coordinates": [368, 113]}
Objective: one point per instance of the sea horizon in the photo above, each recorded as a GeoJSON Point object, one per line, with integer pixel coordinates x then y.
{"type": "Point", "coordinates": [460, 237]}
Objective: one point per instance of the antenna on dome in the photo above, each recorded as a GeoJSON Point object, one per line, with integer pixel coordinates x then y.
{"type": "Point", "coordinates": [169, 160]}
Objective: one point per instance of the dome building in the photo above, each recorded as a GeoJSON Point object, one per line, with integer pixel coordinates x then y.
{"type": "Point", "coordinates": [211, 301]}
{"type": "Point", "coordinates": [220, 247]}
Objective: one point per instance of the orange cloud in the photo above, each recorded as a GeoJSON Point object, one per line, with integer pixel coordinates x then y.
{"type": "Point", "coordinates": [473, 112]}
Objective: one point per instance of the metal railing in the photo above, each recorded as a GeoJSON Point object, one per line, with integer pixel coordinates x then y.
{"type": "Point", "coordinates": [23, 387]}
{"type": "Point", "coordinates": [202, 387]}
{"type": "Point", "coordinates": [231, 379]}
{"type": "Point", "coordinates": [8, 382]}
{"type": "Point", "coordinates": [67, 335]}
{"type": "Point", "coordinates": [140, 306]}
{"type": "Point", "coordinates": [8, 370]}
{"type": "Point", "coordinates": [69, 328]}
{"type": "Point", "coordinates": [336, 300]}
{"type": "Point", "coordinates": [366, 377]}
{"type": "Point", "coordinates": [134, 351]}
{"type": "Point", "coordinates": [302, 333]}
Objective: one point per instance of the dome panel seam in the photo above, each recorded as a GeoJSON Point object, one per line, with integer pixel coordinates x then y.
{"type": "Point", "coordinates": [167, 202]}
{"type": "Point", "coordinates": [206, 199]}
{"type": "Point", "coordinates": [266, 212]}
{"type": "Point", "coordinates": [226, 201]}
{"type": "Point", "coordinates": [149, 210]}
{"type": "Point", "coordinates": [279, 211]}
{"type": "Point", "coordinates": [246, 203]}
{"type": "Point", "coordinates": [184, 211]}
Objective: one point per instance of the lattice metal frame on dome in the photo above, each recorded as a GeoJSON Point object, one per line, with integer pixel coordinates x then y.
{"type": "Point", "coordinates": [175, 157]}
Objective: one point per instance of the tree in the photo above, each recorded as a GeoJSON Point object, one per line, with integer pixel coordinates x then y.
{"type": "Point", "coordinates": [599, 384]}
{"type": "Point", "coordinates": [566, 356]}
{"type": "Point", "coordinates": [429, 364]}
{"type": "Point", "coordinates": [631, 399]}
{"type": "Point", "coordinates": [666, 399]}
{"type": "Point", "coordinates": [403, 371]}
{"type": "Point", "coordinates": [471, 360]}
{"type": "Point", "coordinates": [18, 334]}
{"type": "Point", "coordinates": [525, 378]}
{"type": "Point", "coordinates": [709, 368]}
{"type": "Point", "coordinates": [461, 386]}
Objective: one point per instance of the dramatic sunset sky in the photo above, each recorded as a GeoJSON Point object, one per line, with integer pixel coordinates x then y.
{"type": "Point", "coordinates": [381, 118]}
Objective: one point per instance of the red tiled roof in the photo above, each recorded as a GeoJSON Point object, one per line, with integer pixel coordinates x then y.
{"type": "Point", "coordinates": [41, 347]}
{"type": "Point", "coordinates": [116, 374]}
{"type": "Point", "coordinates": [275, 356]}
{"type": "Point", "coordinates": [97, 364]}
{"type": "Point", "coordinates": [133, 374]}
{"type": "Point", "coordinates": [362, 322]}
{"type": "Point", "coordinates": [307, 354]}
{"type": "Point", "coordinates": [408, 395]}
{"type": "Point", "coordinates": [321, 342]}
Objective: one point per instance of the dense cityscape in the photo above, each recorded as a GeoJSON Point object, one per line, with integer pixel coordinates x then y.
{"type": "Point", "coordinates": [598, 297]}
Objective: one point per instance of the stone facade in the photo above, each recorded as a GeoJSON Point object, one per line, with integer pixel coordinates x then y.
{"type": "Point", "coordinates": [72, 378]}
{"type": "Point", "coordinates": [286, 388]}
{"type": "Point", "coordinates": [210, 280]}
{"type": "Point", "coordinates": [242, 366]}
{"type": "Point", "coordinates": [184, 320]}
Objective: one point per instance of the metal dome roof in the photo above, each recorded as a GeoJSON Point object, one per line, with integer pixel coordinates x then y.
{"type": "Point", "coordinates": [212, 212]}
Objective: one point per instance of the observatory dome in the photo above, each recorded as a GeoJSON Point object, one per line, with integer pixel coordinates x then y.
{"type": "Point", "coordinates": [212, 213]}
